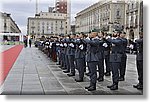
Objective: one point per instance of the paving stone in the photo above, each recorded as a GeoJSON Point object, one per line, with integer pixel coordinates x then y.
{"type": "Point", "coordinates": [56, 92]}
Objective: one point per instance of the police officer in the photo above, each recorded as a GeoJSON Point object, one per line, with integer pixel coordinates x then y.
{"type": "Point", "coordinates": [124, 56]}
{"type": "Point", "coordinates": [92, 58]}
{"type": "Point", "coordinates": [107, 48]}
{"type": "Point", "coordinates": [139, 62]}
{"type": "Point", "coordinates": [71, 54]}
{"type": "Point", "coordinates": [100, 55]}
{"type": "Point", "coordinates": [115, 59]}
{"type": "Point", "coordinates": [62, 53]}
{"type": "Point", "coordinates": [66, 49]}
{"type": "Point", "coordinates": [80, 56]}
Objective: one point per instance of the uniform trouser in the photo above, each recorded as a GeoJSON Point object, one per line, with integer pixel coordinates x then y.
{"type": "Point", "coordinates": [123, 65]}
{"type": "Point", "coordinates": [139, 64]}
{"type": "Point", "coordinates": [93, 72]}
{"type": "Point", "coordinates": [115, 71]}
{"type": "Point", "coordinates": [62, 59]}
{"type": "Point", "coordinates": [101, 68]}
{"type": "Point", "coordinates": [107, 63]}
{"type": "Point", "coordinates": [67, 63]}
{"type": "Point", "coordinates": [81, 67]}
{"type": "Point", "coordinates": [71, 59]}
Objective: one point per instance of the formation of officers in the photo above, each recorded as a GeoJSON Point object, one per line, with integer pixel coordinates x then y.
{"type": "Point", "coordinates": [93, 51]}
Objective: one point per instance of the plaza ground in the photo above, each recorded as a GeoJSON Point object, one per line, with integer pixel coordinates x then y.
{"type": "Point", "coordinates": [34, 73]}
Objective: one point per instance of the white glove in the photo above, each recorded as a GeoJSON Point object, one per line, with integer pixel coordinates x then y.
{"type": "Point", "coordinates": [88, 38]}
{"type": "Point", "coordinates": [57, 44]}
{"type": "Point", "coordinates": [81, 47]}
{"type": "Point", "coordinates": [78, 39]}
{"type": "Point", "coordinates": [61, 45]}
{"type": "Point", "coordinates": [50, 45]}
{"type": "Point", "coordinates": [47, 43]}
{"type": "Point", "coordinates": [108, 37]}
{"type": "Point", "coordinates": [105, 45]}
{"type": "Point", "coordinates": [71, 45]}
{"type": "Point", "coordinates": [65, 44]}
{"type": "Point", "coordinates": [113, 45]}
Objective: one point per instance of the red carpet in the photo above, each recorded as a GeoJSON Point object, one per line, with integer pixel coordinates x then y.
{"type": "Point", "coordinates": [7, 60]}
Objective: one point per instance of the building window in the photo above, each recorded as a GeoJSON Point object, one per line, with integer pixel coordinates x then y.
{"type": "Point", "coordinates": [32, 22]}
{"type": "Point", "coordinates": [132, 5]}
{"type": "Point", "coordinates": [118, 12]}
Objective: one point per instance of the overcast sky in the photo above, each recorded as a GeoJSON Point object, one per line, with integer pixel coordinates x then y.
{"type": "Point", "coordinates": [22, 9]}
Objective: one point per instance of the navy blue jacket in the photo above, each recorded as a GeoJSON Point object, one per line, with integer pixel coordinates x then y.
{"type": "Point", "coordinates": [92, 50]}
{"type": "Point", "coordinates": [80, 49]}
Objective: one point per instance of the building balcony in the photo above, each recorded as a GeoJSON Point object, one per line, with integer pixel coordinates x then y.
{"type": "Point", "coordinates": [132, 10]}
{"type": "Point", "coordinates": [118, 16]}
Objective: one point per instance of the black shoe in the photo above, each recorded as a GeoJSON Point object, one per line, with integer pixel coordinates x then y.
{"type": "Point", "coordinates": [63, 68]}
{"type": "Point", "coordinates": [114, 87]}
{"type": "Point", "coordinates": [107, 74]}
{"type": "Point", "coordinates": [71, 74]}
{"type": "Point", "coordinates": [121, 79]}
{"type": "Point", "coordinates": [66, 71]}
{"type": "Point", "coordinates": [110, 86]}
{"type": "Point", "coordinates": [87, 87]}
{"type": "Point", "coordinates": [60, 66]}
{"type": "Point", "coordinates": [92, 88]}
{"type": "Point", "coordinates": [140, 87]}
{"type": "Point", "coordinates": [79, 80]}
{"type": "Point", "coordinates": [135, 86]}
{"type": "Point", "coordinates": [88, 74]}
{"type": "Point", "coordinates": [57, 63]}
{"type": "Point", "coordinates": [100, 79]}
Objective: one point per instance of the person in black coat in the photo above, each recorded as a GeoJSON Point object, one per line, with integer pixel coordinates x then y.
{"type": "Point", "coordinates": [30, 42]}
{"type": "Point", "coordinates": [139, 62]}
{"type": "Point", "coordinates": [71, 54]}
{"type": "Point", "coordinates": [124, 57]}
{"type": "Point", "coordinates": [115, 59]}
{"type": "Point", "coordinates": [80, 56]}
{"type": "Point", "coordinates": [92, 59]}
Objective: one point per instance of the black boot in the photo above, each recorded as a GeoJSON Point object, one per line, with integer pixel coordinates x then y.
{"type": "Point", "coordinates": [100, 79]}
{"type": "Point", "coordinates": [110, 86]}
{"type": "Point", "coordinates": [121, 78]}
{"type": "Point", "coordinates": [79, 80]}
{"type": "Point", "coordinates": [71, 74]}
{"type": "Point", "coordinates": [114, 87]}
{"type": "Point", "coordinates": [140, 87]}
{"type": "Point", "coordinates": [66, 71]}
{"type": "Point", "coordinates": [135, 86]}
{"type": "Point", "coordinates": [107, 74]}
{"type": "Point", "coordinates": [87, 87]}
{"type": "Point", "coordinates": [92, 88]}
{"type": "Point", "coordinates": [88, 74]}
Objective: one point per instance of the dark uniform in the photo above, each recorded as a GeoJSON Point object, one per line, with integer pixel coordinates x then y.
{"type": "Point", "coordinates": [107, 48]}
{"type": "Point", "coordinates": [115, 60]}
{"type": "Point", "coordinates": [66, 62]}
{"type": "Point", "coordinates": [123, 59]}
{"type": "Point", "coordinates": [100, 55]}
{"type": "Point", "coordinates": [71, 56]}
{"type": "Point", "coordinates": [80, 58]}
{"type": "Point", "coordinates": [92, 61]}
{"type": "Point", "coordinates": [62, 55]}
{"type": "Point", "coordinates": [139, 63]}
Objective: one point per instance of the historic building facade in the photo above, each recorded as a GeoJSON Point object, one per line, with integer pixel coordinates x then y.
{"type": "Point", "coordinates": [104, 15]}
{"type": "Point", "coordinates": [134, 18]}
{"type": "Point", "coordinates": [8, 25]}
{"type": "Point", "coordinates": [47, 24]}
